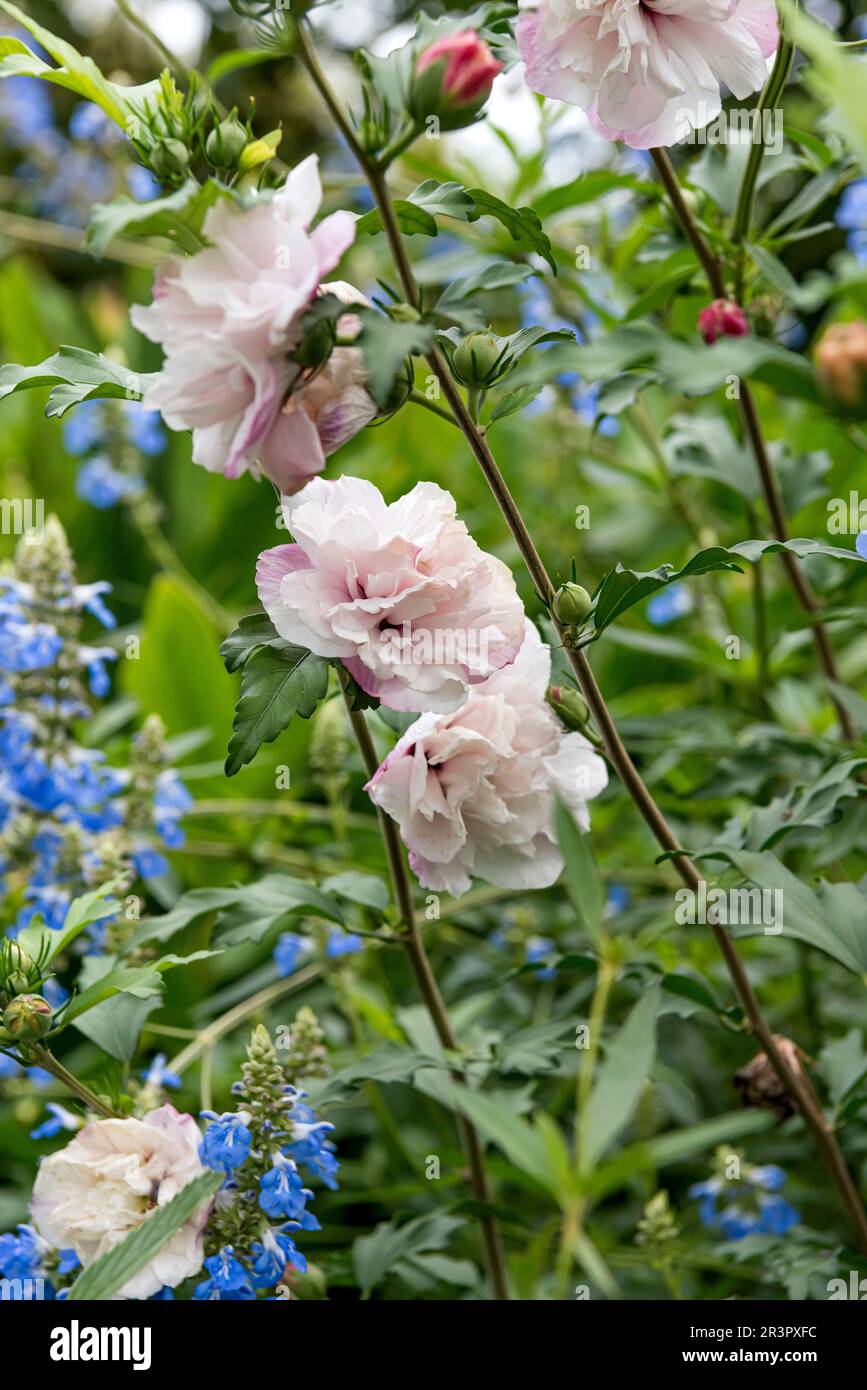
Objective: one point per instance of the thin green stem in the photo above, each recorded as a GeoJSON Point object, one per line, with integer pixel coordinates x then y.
{"type": "Point", "coordinates": [171, 59]}
{"type": "Point", "coordinates": [418, 398]}
{"type": "Point", "coordinates": [240, 1013]}
{"type": "Point", "coordinates": [801, 586]}
{"type": "Point", "coordinates": [45, 1059]}
{"type": "Point", "coordinates": [747, 194]}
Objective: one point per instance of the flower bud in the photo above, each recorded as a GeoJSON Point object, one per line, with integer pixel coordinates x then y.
{"type": "Point", "coordinates": [477, 360]}
{"type": "Point", "coordinates": [453, 80]}
{"type": "Point", "coordinates": [27, 1018]}
{"type": "Point", "coordinates": [571, 605]}
{"type": "Point", "coordinates": [570, 705]}
{"type": "Point", "coordinates": [722, 319]}
{"type": "Point", "coordinates": [17, 969]}
{"type": "Point", "coordinates": [169, 159]}
{"type": "Point", "coordinates": [226, 143]}
{"type": "Point", "coordinates": [841, 361]}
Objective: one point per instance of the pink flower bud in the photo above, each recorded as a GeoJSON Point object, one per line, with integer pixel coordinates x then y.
{"type": "Point", "coordinates": [469, 69]}
{"type": "Point", "coordinates": [841, 361]}
{"type": "Point", "coordinates": [722, 319]}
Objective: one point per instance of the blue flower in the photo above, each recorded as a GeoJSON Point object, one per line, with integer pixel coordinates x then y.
{"type": "Point", "coordinates": [159, 1075]}
{"type": "Point", "coordinates": [271, 1255]}
{"type": "Point", "coordinates": [21, 1256]}
{"type": "Point", "coordinates": [149, 863]}
{"type": "Point", "coordinates": [58, 1121]}
{"type": "Point", "coordinates": [142, 184]}
{"type": "Point", "coordinates": [619, 898]}
{"type": "Point", "coordinates": [288, 951]}
{"type": "Point", "coordinates": [68, 1262]}
{"type": "Point", "coordinates": [103, 486]}
{"type": "Point", "coordinates": [282, 1193]}
{"type": "Point", "coordinates": [229, 1280]}
{"type": "Point", "coordinates": [672, 602]}
{"type": "Point", "coordinates": [751, 1205]}
{"type": "Point", "coordinates": [852, 217]}
{"type": "Point", "coordinates": [227, 1141]}
{"type": "Point", "coordinates": [539, 948]}
{"type": "Point", "coordinates": [341, 943]}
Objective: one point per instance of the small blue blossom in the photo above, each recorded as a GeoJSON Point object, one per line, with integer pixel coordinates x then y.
{"type": "Point", "coordinates": [229, 1280]}
{"type": "Point", "coordinates": [159, 1075]}
{"type": "Point", "coordinates": [282, 1194]}
{"type": "Point", "coordinates": [271, 1255]}
{"type": "Point", "coordinates": [539, 948]}
{"type": "Point", "coordinates": [672, 602]}
{"type": "Point", "coordinates": [751, 1205]}
{"type": "Point", "coordinates": [59, 1120]}
{"type": "Point", "coordinates": [288, 951]}
{"type": "Point", "coordinates": [227, 1141]}
{"type": "Point", "coordinates": [852, 217]}
{"type": "Point", "coordinates": [341, 943]}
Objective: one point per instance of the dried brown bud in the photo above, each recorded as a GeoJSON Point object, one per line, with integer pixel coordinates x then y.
{"type": "Point", "coordinates": [759, 1084]}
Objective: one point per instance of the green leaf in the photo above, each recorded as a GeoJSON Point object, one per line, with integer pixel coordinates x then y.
{"type": "Point", "coordinates": [44, 944]}
{"type": "Point", "coordinates": [179, 216]}
{"type": "Point", "coordinates": [510, 402]}
{"type": "Point", "coordinates": [620, 1079]}
{"type": "Point", "coordinates": [375, 1255]}
{"type": "Point", "coordinates": [252, 633]}
{"type": "Point", "coordinates": [676, 1147]}
{"type": "Point", "coordinates": [587, 188]}
{"type": "Point", "coordinates": [368, 889]}
{"type": "Point", "coordinates": [277, 683]}
{"type": "Point", "coordinates": [260, 906]}
{"type": "Point", "coordinates": [833, 919]}
{"type": "Point", "coordinates": [386, 1065]}
{"type": "Point", "coordinates": [78, 74]}
{"type": "Point", "coordinates": [141, 981]}
{"type": "Point", "coordinates": [452, 303]}
{"type": "Point", "coordinates": [417, 212]}
{"type": "Point", "coordinates": [834, 74]}
{"type": "Point", "coordinates": [523, 1144]}
{"type": "Point", "coordinates": [774, 271]}
{"type": "Point", "coordinates": [75, 375]}
{"type": "Point", "coordinates": [844, 1064]}
{"type": "Point", "coordinates": [107, 1275]}
{"type": "Point", "coordinates": [386, 343]}
{"type": "Point", "coordinates": [523, 224]}
{"type": "Point", "coordinates": [115, 1025]}
{"type": "Point", "coordinates": [622, 588]}
{"type": "Point", "coordinates": [807, 200]}
{"type": "Point", "coordinates": [582, 876]}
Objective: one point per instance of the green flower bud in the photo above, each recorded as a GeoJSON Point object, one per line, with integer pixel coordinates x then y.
{"type": "Point", "coordinates": [570, 705]}
{"type": "Point", "coordinates": [226, 143]}
{"type": "Point", "coordinates": [571, 605]}
{"type": "Point", "coordinates": [28, 1018]}
{"type": "Point", "coordinates": [400, 390]}
{"type": "Point", "coordinates": [477, 360]}
{"type": "Point", "coordinates": [169, 159]}
{"type": "Point", "coordinates": [17, 969]}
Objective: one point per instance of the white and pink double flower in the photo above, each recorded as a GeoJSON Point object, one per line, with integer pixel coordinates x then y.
{"type": "Point", "coordinates": [647, 71]}
{"type": "Point", "coordinates": [400, 592]}
{"type": "Point", "coordinates": [228, 319]}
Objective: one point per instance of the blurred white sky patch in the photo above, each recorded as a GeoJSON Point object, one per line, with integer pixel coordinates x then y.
{"type": "Point", "coordinates": [183, 25]}
{"type": "Point", "coordinates": [354, 23]}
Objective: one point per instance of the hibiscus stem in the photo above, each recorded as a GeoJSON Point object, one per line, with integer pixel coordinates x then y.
{"type": "Point", "coordinates": [747, 194]}
{"type": "Point", "coordinates": [419, 960]}
{"type": "Point", "coordinates": [45, 1059]}
{"type": "Point", "coordinates": [418, 398]}
{"type": "Point", "coordinates": [773, 496]}
{"type": "Point", "coordinates": [801, 1092]}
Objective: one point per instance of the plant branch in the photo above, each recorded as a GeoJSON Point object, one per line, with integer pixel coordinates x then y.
{"type": "Point", "coordinates": [746, 196]}
{"type": "Point", "coordinates": [47, 1060]}
{"type": "Point", "coordinates": [795, 1084]}
{"type": "Point", "coordinates": [770, 488]}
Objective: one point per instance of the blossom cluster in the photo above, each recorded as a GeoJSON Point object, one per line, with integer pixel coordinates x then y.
{"type": "Point", "coordinates": [68, 819]}
{"type": "Point", "coordinates": [62, 172]}
{"type": "Point", "coordinates": [261, 1147]}
{"type": "Point", "coordinates": [750, 1204]}
{"type": "Point", "coordinates": [229, 319]}
{"type": "Point", "coordinates": [108, 436]}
